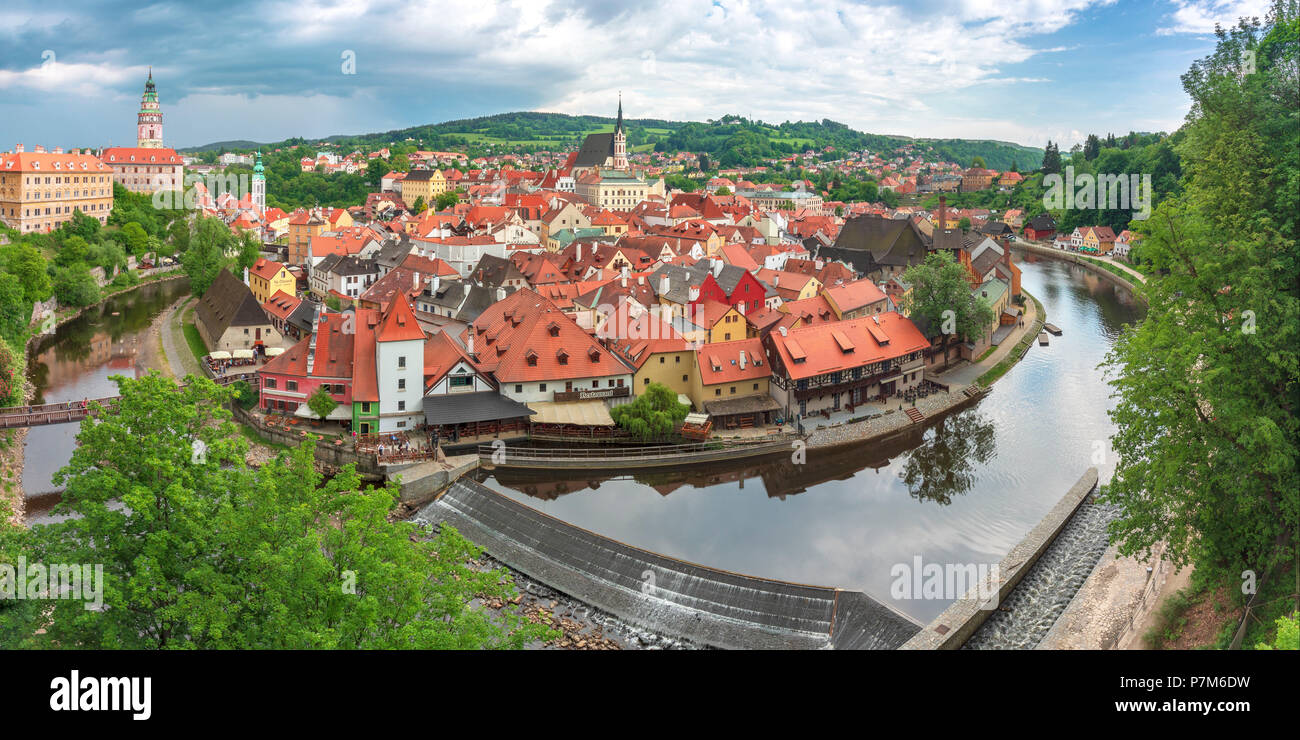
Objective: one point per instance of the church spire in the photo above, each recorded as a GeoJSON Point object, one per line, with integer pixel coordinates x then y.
{"type": "Point", "coordinates": [618, 126]}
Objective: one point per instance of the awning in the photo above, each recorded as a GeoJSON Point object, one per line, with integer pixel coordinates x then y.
{"type": "Point", "coordinates": [274, 351]}
{"type": "Point", "coordinates": [685, 400]}
{"type": "Point", "coordinates": [243, 354]}
{"type": "Point", "coordinates": [696, 419]}
{"type": "Point", "coordinates": [465, 408]}
{"type": "Point", "coordinates": [220, 354]}
{"type": "Point", "coordinates": [343, 412]}
{"type": "Point", "coordinates": [586, 413]}
{"type": "Point", "coordinates": [890, 380]}
{"type": "Point", "coordinates": [744, 405]}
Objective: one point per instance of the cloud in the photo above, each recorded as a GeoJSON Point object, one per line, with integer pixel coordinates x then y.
{"type": "Point", "coordinates": [1201, 16]}
{"type": "Point", "coordinates": [889, 66]}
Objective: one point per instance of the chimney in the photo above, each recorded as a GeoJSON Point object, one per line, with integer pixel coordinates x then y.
{"type": "Point", "coordinates": [694, 293]}
{"type": "Point", "coordinates": [776, 281]}
{"type": "Point", "coordinates": [782, 330]}
{"type": "Point", "coordinates": [741, 308]}
{"type": "Point", "coordinates": [579, 257]}
{"type": "Point", "coordinates": [623, 278]}
{"type": "Point", "coordinates": [501, 294]}
{"type": "Point", "coordinates": [415, 281]}
{"type": "Point", "coordinates": [58, 150]}
{"type": "Point", "coordinates": [245, 276]}
{"type": "Point", "coordinates": [471, 342]}
{"type": "Point", "coordinates": [437, 282]}
{"type": "Point", "coordinates": [742, 359]}
{"type": "Point", "coordinates": [943, 212]}
{"type": "Point", "coordinates": [663, 284]}
{"type": "Point", "coordinates": [38, 149]}
{"type": "Point", "coordinates": [640, 279]}
{"type": "Point", "coordinates": [19, 149]}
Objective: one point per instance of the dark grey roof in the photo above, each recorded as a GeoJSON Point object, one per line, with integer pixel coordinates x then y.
{"type": "Point", "coordinates": [303, 317]}
{"type": "Point", "coordinates": [868, 242]}
{"type": "Point", "coordinates": [994, 228]}
{"type": "Point", "coordinates": [493, 271]}
{"type": "Point", "coordinates": [1041, 222]}
{"type": "Point", "coordinates": [461, 408]}
{"type": "Point", "coordinates": [680, 280]}
{"type": "Point", "coordinates": [596, 148]}
{"type": "Point", "coordinates": [228, 302]}
{"type": "Point", "coordinates": [730, 277]}
{"type": "Point", "coordinates": [353, 265]}
{"type": "Point", "coordinates": [392, 253]}
{"type": "Point", "coordinates": [479, 299]}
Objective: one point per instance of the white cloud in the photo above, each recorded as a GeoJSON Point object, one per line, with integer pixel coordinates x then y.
{"type": "Point", "coordinates": [1201, 16]}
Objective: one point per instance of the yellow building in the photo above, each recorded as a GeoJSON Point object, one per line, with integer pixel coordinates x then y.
{"type": "Point", "coordinates": [39, 190]}
{"type": "Point", "coordinates": [265, 278]}
{"type": "Point", "coordinates": [612, 190]}
{"type": "Point", "coordinates": [732, 384]}
{"type": "Point", "coordinates": [426, 184]}
{"type": "Point", "coordinates": [655, 349]}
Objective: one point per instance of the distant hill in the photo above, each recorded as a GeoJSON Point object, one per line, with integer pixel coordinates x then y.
{"type": "Point", "coordinates": [219, 145]}
{"type": "Point", "coordinates": [731, 141]}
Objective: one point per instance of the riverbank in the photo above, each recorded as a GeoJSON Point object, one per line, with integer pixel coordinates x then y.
{"type": "Point", "coordinates": [12, 454]}
{"type": "Point", "coordinates": [966, 384]}
{"type": "Point", "coordinates": [1110, 269]}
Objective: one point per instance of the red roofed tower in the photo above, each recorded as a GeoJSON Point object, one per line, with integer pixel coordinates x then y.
{"type": "Point", "coordinates": [399, 367]}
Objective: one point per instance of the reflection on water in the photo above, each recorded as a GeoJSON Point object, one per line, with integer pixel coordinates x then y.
{"type": "Point", "coordinates": [966, 490]}
{"type": "Point", "coordinates": [76, 363]}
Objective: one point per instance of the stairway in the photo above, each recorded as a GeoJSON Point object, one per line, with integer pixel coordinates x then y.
{"type": "Point", "coordinates": [915, 415]}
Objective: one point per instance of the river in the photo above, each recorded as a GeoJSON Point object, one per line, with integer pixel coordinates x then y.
{"type": "Point", "coordinates": [75, 363]}
{"type": "Point", "coordinates": [963, 491]}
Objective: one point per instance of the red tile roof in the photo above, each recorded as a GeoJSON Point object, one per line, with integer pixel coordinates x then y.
{"type": "Point", "coordinates": [721, 362]}
{"type": "Point", "coordinates": [823, 345]}
{"type": "Point", "coordinates": [399, 324]}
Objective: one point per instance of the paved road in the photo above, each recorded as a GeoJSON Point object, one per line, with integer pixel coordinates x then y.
{"type": "Point", "coordinates": [962, 376]}
{"type": "Point", "coordinates": [1100, 258]}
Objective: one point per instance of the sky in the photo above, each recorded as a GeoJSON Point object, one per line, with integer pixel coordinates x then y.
{"type": "Point", "coordinates": [1027, 71]}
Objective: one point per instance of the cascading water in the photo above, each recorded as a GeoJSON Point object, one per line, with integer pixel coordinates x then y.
{"type": "Point", "coordinates": [1029, 611]}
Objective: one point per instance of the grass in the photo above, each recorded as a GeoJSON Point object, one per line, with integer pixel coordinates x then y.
{"type": "Point", "coordinates": [1171, 618]}
{"type": "Point", "coordinates": [1000, 369]}
{"type": "Point", "coordinates": [1108, 267]}
{"type": "Point", "coordinates": [992, 348]}
{"type": "Point", "coordinates": [194, 340]}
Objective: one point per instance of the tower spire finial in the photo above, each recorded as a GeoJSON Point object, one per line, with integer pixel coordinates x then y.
{"type": "Point", "coordinates": [618, 126]}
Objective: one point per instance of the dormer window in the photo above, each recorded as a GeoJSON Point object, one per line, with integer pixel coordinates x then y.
{"type": "Point", "coordinates": [562, 356]}
{"type": "Point", "coordinates": [594, 354]}
{"type": "Point", "coordinates": [531, 357]}
{"type": "Point", "coordinates": [553, 329]}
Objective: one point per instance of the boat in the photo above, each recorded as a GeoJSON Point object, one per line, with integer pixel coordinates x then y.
{"type": "Point", "coordinates": [1042, 338]}
{"type": "Point", "coordinates": [1053, 328]}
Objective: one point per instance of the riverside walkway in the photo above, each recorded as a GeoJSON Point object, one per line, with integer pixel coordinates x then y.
{"type": "Point", "coordinates": [598, 458]}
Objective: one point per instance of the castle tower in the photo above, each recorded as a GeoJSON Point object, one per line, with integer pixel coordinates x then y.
{"type": "Point", "coordinates": [149, 120]}
{"type": "Point", "coordinates": [259, 185]}
{"type": "Point", "coordinates": [620, 139]}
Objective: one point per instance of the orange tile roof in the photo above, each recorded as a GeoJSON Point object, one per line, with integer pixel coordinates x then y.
{"type": "Point", "coordinates": [399, 324]}
{"type": "Point", "coordinates": [822, 346]}
{"type": "Point", "coordinates": [720, 362]}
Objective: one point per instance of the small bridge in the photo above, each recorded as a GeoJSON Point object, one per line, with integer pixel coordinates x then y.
{"type": "Point", "coordinates": [614, 458]}
{"type": "Point", "coordinates": [69, 412]}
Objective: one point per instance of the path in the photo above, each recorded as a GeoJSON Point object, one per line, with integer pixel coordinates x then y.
{"type": "Point", "coordinates": [177, 350]}
{"type": "Point", "coordinates": [1100, 258]}
{"type": "Point", "coordinates": [964, 375]}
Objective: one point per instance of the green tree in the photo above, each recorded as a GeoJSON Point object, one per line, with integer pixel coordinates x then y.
{"type": "Point", "coordinates": [15, 310]}
{"type": "Point", "coordinates": [250, 248]}
{"type": "Point", "coordinates": [447, 200]}
{"type": "Point", "coordinates": [1288, 634]}
{"type": "Point", "coordinates": [321, 403]}
{"type": "Point", "coordinates": [376, 169]}
{"type": "Point", "coordinates": [137, 239]}
{"type": "Point", "coordinates": [942, 296]}
{"type": "Point", "coordinates": [977, 162]}
{"type": "Point", "coordinates": [724, 190]}
{"type": "Point", "coordinates": [207, 553]}
{"type": "Point", "coordinates": [1207, 385]}
{"type": "Point", "coordinates": [206, 255]}
{"type": "Point", "coordinates": [653, 415]}
{"type": "Point", "coordinates": [26, 262]}
{"type": "Point", "coordinates": [75, 286]}
{"type": "Point", "coordinates": [72, 250]}
{"type": "Point", "coordinates": [419, 206]}
{"type": "Point", "coordinates": [963, 223]}
{"type": "Point", "coordinates": [1052, 159]}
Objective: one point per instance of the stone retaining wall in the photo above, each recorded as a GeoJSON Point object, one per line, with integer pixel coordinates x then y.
{"type": "Point", "coordinates": [1078, 259]}
{"type": "Point", "coordinates": [959, 621]}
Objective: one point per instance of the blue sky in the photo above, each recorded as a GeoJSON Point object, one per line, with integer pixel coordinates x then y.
{"type": "Point", "coordinates": [71, 73]}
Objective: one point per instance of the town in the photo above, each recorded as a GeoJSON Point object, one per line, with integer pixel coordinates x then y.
{"type": "Point", "coordinates": [604, 330]}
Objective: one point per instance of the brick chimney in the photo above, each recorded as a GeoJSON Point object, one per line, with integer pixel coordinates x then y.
{"type": "Point", "coordinates": [19, 149]}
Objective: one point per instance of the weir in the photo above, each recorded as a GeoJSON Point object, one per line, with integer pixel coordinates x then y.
{"type": "Point", "coordinates": [684, 600]}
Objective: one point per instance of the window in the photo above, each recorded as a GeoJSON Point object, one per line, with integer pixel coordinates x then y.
{"type": "Point", "coordinates": [717, 391]}
{"type": "Point", "coordinates": [401, 424]}
{"type": "Point", "coordinates": [401, 405]}
{"type": "Point", "coordinates": [595, 384]}
{"type": "Point", "coordinates": [462, 381]}
{"type": "Point", "coordinates": [268, 383]}
{"type": "Point", "coordinates": [647, 381]}
{"type": "Point", "coordinates": [291, 385]}
{"type": "Point", "coordinates": [733, 390]}
{"type": "Point", "coordinates": [401, 384]}
{"type": "Point", "coordinates": [685, 378]}
{"type": "Point", "coordinates": [541, 387]}
{"type": "Point", "coordinates": [401, 362]}
{"type": "Point", "coordinates": [661, 360]}
{"type": "Point", "coordinates": [519, 388]}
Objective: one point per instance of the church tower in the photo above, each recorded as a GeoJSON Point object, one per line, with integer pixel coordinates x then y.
{"type": "Point", "coordinates": [259, 185]}
{"type": "Point", "coordinates": [620, 139]}
{"type": "Point", "coordinates": [149, 120]}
